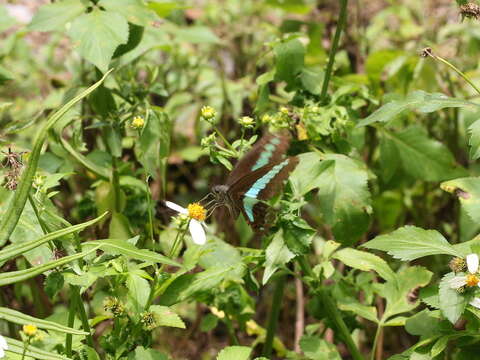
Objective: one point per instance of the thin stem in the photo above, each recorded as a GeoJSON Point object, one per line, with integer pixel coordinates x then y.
{"type": "Point", "coordinates": [231, 330]}
{"type": "Point", "coordinates": [71, 320]}
{"type": "Point", "coordinates": [149, 204]}
{"type": "Point", "coordinates": [116, 185]}
{"type": "Point", "coordinates": [225, 141]}
{"type": "Point", "coordinates": [82, 314]}
{"type": "Point", "coordinates": [335, 316]}
{"type": "Point", "coordinates": [428, 52]}
{"type": "Point", "coordinates": [273, 317]}
{"type": "Point", "coordinates": [375, 341]}
{"type": "Point", "coordinates": [25, 347]}
{"type": "Point", "coordinates": [336, 40]}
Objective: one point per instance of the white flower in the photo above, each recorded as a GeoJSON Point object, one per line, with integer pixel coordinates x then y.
{"type": "Point", "coordinates": [3, 346]}
{"type": "Point", "coordinates": [197, 215]}
{"type": "Point", "coordinates": [470, 279]}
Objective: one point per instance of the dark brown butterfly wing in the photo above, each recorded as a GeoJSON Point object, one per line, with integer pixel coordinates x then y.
{"type": "Point", "coordinates": [270, 149]}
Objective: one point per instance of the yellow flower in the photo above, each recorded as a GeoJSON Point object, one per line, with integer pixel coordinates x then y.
{"type": "Point", "coordinates": [208, 112]}
{"type": "Point", "coordinates": [301, 132]}
{"type": "Point", "coordinates": [246, 121]}
{"type": "Point", "coordinates": [197, 211]}
{"type": "Point", "coordinates": [472, 280]}
{"type": "Point", "coordinates": [30, 330]}
{"type": "Point", "coordinates": [284, 110]}
{"type": "Point", "coordinates": [137, 122]}
{"type": "Point", "coordinates": [266, 118]}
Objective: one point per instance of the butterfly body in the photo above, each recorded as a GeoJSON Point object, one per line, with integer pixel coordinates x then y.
{"type": "Point", "coordinates": [257, 177]}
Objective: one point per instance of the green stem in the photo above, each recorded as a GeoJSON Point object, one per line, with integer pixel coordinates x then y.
{"type": "Point", "coordinates": [178, 240]}
{"type": "Point", "coordinates": [273, 317]}
{"type": "Point", "coordinates": [225, 141]}
{"type": "Point", "coordinates": [25, 347]}
{"type": "Point", "coordinates": [75, 291]}
{"type": "Point", "coordinates": [71, 320]}
{"type": "Point", "coordinates": [231, 330]}
{"type": "Point", "coordinates": [375, 341]}
{"type": "Point", "coordinates": [116, 185]}
{"type": "Point", "coordinates": [335, 316]}
{"type": "Point", "coordinates": [331, 57]}
{"type": "Point", "coordinates": [454, 68]}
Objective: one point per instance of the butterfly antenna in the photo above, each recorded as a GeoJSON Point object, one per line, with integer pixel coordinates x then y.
{"type": "Point", "coordinates": [205, 197]}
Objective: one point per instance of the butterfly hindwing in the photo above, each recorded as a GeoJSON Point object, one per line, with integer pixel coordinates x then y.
{"type": "Point", "coordinates": [252, 189]}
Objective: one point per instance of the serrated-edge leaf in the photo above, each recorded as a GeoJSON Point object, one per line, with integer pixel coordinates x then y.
{"type": "Point", "coordinates": [452, 304]}
{"type": "Point", "coordinates": [365, 261]}
{"type": "Point", "coordinates": [17, 317]}
{"type": "Point", "coordinates": [364, 311]}
{"type": "Point", "coordinates": [410, 242]}
{"type": "Point", "coordinates": [167, 317]}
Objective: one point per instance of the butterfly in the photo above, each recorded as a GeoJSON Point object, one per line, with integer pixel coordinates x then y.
{"type": "Point", "coordinates": [256, 177]}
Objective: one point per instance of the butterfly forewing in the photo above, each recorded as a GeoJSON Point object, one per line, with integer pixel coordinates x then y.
{"type": "Point", "coordinates": [268, 150]}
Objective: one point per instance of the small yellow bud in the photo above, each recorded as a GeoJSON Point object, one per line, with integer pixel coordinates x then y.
{"type": "Point", "coordinates": [137, 122]}
{"type": "Point", "coordinates": [30, 330]}
{"type": "Point", "coordinates": [197, 211]}
{"type": "Point", "coordinates": [301, 132]}
{"type": "Point", "coordinates": [246, 121]}
{"type": "Point", "coordinates": [284, 110]}
{"type": "Point", "coordinates": [266, 118]}
{"type": "Point", "coordinates": [218, 313]}
{"type": "Point", "coordinates": [208, 112]}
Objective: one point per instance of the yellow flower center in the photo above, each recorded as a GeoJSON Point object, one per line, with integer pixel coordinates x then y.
{"type": "Point", "coordinates": [472, 280]}
{"type": "Point", "coordinates": [30, 330]}
{"type": "Point", "coordinates": [197, 211]}
{"type": "Point", "coordinates": [138, 122]}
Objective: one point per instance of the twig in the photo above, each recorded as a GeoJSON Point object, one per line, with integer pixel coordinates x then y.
{"type": "Point", "coordinates": [300, 316]}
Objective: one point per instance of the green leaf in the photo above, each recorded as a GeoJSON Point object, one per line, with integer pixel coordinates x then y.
{"type": "Point", "coordinates": [312, 80]}
{"type": "Point", "coordinates": [315, 348]}
{"type": "Point", "coordinates": [468, 192]}
{"type": "Point", "coordinates": [421, 157]}
{"type": "Point", "coordinates": [14, 250]}
{"type": "Point", "coordinates": [135, 11]}
{"type": "Point", "coordinates": [53, 284]}
{"type": "Point", "coordinates": [6, 21]}
{"type": "Point", "coordinates": [17, 347]}
{"type": "Point", "coordinates": [452, 303]}
{"type": "Point", "coordinates": [218, 254]}
{"type": "Point", "coordinates": [298, 236]}
{"type": "Point", "coordinates": [209, 322]}
{"type": "Point", "coordinates": [97, 35]}
{"type": "Point", "coordinates": [425, 323]}
{"type": "Point", "coordinates": [154, 145]}
{"type": "Point", "coordinates": [146, 354]}
{"type": "Point", "coordinates": [119, 227]}
{"type": "Point", "coordinates": [138, 290]}
{"type": "Point", "coordinates": [166, 317]}
{"type": "Point", "coordinates": [410, 243]}
{"type": "Point", "coordinates": [418, 100]}
{"type": "Point", "coordinates": [305, 176]}
{"type": "Point", "coordinates": [342, 191]}
{"type": "Point", "coordinates": [122, 247]}
{"type": "Point", "coordinates": [189, 285]}
{"type": "Point", "coordinates": [365, 261]}
{"type": "Point", "coordinates": [277, 254]}
{"type": "Point", "coordinates": [397, 294]}
{"type": "Point", "coordinates": [289, 60]}
{"type": "Point", "coordinates": [12, 277]}
{"type": "Point", "coordinates": [54, 16]}
{"type": "Point", "coordinates": [364, 311]}
{"type": "Point", "coordinates": [235, 353]}
{"type": "Point", "coordinates": [17, 317]}
{"type": "Point", "coordinates": [474, 141]}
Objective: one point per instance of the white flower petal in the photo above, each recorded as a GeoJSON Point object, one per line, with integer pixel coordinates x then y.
{"type": "Point", "coordinates": [472, 263]}
{"type": "Point", "coordinates": [458, 282]}
{"type": "Point", "coordinates": [3, 343]}
{"type": "Point", "coordinates": [197, 232]}
{"type": "Point", "coordinates": [475, 302]}
{"type": "Point", "coordinates": [176, 207]}
{"type": "Point", "coordinates": [2, 353]}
